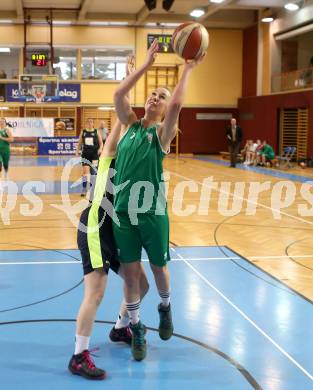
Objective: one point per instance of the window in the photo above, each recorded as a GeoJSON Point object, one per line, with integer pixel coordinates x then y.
{"type": "Point", "coordinates": [9, 64]}
{"type": "Point", "coordinates": [65, 64]}
{"type": "Point", "coordinates": [104, 64]}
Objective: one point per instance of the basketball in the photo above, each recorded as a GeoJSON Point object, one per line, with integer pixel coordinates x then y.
{"type": "Point", "coordinates": [190, 40]}
{"type": "Point", "coordinates": [302, 165]}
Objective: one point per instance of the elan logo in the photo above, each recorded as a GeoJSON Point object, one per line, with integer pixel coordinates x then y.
{"type": "Point", "coordinates": [16, 93]}
{"type": "Point", "coordinates": [67, 93]}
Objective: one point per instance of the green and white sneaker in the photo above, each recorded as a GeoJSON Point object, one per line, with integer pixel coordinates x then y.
{"type": "Point", "coordinates": [138, 345]}
{"type": "Point", "coordinates": [166, 327]}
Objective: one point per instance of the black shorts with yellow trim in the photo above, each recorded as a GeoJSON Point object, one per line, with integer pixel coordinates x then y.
{"type": "Point", "coordinates": [97, 249]}
{"type": "Point", "coordinates": [89, 156]}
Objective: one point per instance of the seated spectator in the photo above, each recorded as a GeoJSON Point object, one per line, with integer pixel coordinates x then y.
{"type": "Point", "coordinates": [258, 148]}
{"type": "Point", "coordinates": [244, 151]}
{"type": "Point", "coordinates": [3, 75]}
{"type": "Point", "coordinates": [250, 152]}
{"type": "Point", "coordinates": [266, 155]}
{"type": "Point", "coordinates": [306, 76]}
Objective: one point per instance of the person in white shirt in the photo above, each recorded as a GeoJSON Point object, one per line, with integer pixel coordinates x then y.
{"type": "Point", "coordinates": [103, 131]}
{"type": "Point", "coordinates": [250, 153]}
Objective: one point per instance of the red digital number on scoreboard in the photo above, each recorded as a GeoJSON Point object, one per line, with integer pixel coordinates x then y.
{"type": "Point", "coordinates": [39, 59]}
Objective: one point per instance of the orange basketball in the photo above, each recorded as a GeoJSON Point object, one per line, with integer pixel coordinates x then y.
{"type": "Point", "coordinates": [190, 40]}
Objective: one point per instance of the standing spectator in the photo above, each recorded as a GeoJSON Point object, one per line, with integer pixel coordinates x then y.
{"type": "Point", "coordinates": [103, 131]}
{"type": "Point", "coordinates": [234, 137]}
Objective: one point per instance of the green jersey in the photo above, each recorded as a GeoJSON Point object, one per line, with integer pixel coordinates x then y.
{"type": "Point", "coordinates": [268, 151]}
{"type": "Point", "coordinates": [139, 171]}
{"type": "Point", "coordinates": [4, 144]}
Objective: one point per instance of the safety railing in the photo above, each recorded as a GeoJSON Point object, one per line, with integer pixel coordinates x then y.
{"type": "Point", "coordinates": [297, 79]}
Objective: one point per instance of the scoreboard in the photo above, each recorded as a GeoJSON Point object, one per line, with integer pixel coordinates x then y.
{"type": "Point", "coordinates": [39, 59]}
{"type": "Point", "coordinates": [164, 41]}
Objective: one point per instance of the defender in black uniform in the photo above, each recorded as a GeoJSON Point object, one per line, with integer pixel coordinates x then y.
{"type": "Point", "coordinates": [90, 144]}
{"type": "Point", "coordinates": [97, 246]}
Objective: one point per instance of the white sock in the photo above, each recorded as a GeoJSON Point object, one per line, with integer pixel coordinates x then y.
{"type": "Point", "coordinates": [133, 311]}
{"type": "Point", "coordinates": [81, 343]}
{"type": "Point", "coordinates": [122, 321]}
{"type": "Point", "coordinates": [165, 297]}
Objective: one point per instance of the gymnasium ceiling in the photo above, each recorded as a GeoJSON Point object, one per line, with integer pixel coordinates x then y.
{"type": "Point", "coordinates": [229, 14]}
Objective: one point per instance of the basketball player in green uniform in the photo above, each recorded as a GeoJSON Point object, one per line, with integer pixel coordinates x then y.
{"type": "Point", "coordinates": [140, 205]}
{"type": "Point", "coordinates": [6, 138]}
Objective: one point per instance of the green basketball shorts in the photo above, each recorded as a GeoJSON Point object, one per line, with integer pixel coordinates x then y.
{"type": "Point", "coordinates": [5, 157]}
{"type": "Point", "coordinates": [151, 233]}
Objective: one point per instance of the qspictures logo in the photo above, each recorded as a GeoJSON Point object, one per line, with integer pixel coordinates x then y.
{"type": "Point", "coordinates": [225, 198]}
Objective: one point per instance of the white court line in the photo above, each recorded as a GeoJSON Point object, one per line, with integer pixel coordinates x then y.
{"type": "Point", "coordinates": [79, 262]}
{"type": "Point", "coordinates": [173, 259]}
{"type": "Point", "coordinates": [40, 262]}
{"type": "Point", "coordinates": [285, 353]}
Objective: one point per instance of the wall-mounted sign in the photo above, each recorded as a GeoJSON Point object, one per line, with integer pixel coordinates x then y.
{"type": "Point", "coordinates": [61, 124]}
{"type": "Point", "coordinates": [213, 116]}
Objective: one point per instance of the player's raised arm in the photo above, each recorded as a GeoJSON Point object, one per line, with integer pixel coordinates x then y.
{"type": "Point", "coordinates": [109, 148]}
{"type": "Point", "coordinates": [168, 128]}
{"type": "Point", "coordinates": [123, 109]}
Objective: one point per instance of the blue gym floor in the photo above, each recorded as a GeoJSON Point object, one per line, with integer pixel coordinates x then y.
{"type": "Point", "coordinates": [236, 327]}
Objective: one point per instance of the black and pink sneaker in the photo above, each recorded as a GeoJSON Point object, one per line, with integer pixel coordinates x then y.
{"type": "Point", "coordinates": [83, 365]}
{"type": "Point", "coordinates": [121, 335]}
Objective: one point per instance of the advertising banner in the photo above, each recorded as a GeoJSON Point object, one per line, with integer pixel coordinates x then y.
{"type": "Point", "coordinates": [57, 146]}
{"type": "Point", "coordinates": [31, 127]}
{"type": "Point", "coordinates": [69, 93]}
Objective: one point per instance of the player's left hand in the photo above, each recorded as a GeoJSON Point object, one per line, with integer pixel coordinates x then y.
{"type": "Point", "coordinates": [130, 66]}
{"type": "Point", "coordinates": [152, 53]}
